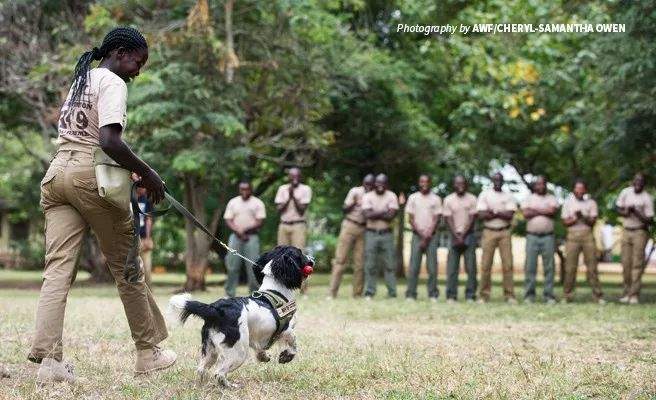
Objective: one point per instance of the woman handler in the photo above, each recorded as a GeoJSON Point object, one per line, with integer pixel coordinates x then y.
{"type": "Point", "coordinates": [92, 117]}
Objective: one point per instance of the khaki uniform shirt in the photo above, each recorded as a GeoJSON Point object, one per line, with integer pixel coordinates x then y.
{"type": "Point", "coordinates": [461, 209]}
{"type": "Point", "coordinates": [642, 202]}
{"type": "Point", "coordinates": [588, 208]}
{"type": "Point", "coordinates": [103, 102]}
{"type": "Point", "coordinates": [425, 208]}
{"type": "Point", "coordinates": [244, 213]}
{"type": "Point", "coordinates": [302, 193]}
{"type": "Point", "coordinates": [354, 197]}
{"type": "Point", "coordinates": [496, 202]}
{"type": "Point", "coordinates": [540, 224]}
{"type": "Point", "coordinates": [378, 203]}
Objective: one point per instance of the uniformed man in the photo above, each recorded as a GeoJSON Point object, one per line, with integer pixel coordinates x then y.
{"type": "Point", "coordinates": [496, 208]}
{"type": "Point", "coordinates": [379, 207]}
{"type": "Point", "coordinates": [579, 215]}
{"type": "Point", "coordinates": [292, 201]}
{"type": "Point", "coordinates": [423, 209]}
{"type": "Point", "coordinates": [244, 215]}
{"type": "Point", "coordinates": [637, 208]}
{"type": "Point", "coordinates": [459, 210]}
{"type": "Point", "coordinates": [539, 209]}
{"type": "Point", "coordinates": [351, 237]}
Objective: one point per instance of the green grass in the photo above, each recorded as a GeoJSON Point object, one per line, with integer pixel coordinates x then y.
{"type": "Point", "coordinates": [389, 349]}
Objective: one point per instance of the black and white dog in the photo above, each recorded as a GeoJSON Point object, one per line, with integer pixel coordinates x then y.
{"type": "Point", "coordinates": [267, 316]}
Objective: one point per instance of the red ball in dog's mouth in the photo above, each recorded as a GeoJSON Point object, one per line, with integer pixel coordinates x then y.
{"type": "Point", "coordinates": [307, 271]}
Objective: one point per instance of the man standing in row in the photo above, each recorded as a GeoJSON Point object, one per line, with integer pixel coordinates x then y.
{"type": "Point", "coordinates": [539, 209]}
{"type": "Point", "coordinates": [637, 208]}
{"type": "Point", "coordinates": [496, 208]}
{"type": "Point", "coordinates": [351, 237]}
{"type": "Point", "coordinates": [579, 216]}
{"type": "Point", "coordinates": [423, 209]}
{"type": "Point", "coordinates": [244, 215]}
{"type": "Point", "coordinates": [292, 200]}
{"type": "Point", "coordinates": [459, 209]}
{"type": "Point", "coordinates": [379, 207]}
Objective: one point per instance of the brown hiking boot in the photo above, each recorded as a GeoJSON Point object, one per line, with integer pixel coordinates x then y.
{"type": "Point", "coordinates": [154, 359]}
{"type": "Point", "coordinates": [52, 370]}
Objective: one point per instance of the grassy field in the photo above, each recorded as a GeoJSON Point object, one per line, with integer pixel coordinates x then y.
{"type": "Point", "coordinates": [389, 349]}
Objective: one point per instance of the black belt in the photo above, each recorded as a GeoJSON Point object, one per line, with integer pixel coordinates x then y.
{"type": "Point", "coordinates": [540, 234]}
{"type": "Point", "coordinates": [355, 222]}
{"type": "Point", "coordinates": [498, 229]}
{"type": "Point", "coordinates": [292, 222]}
{"type": "Point", "coordinates": [636, 229]}
{"type": "Point", "coordinates": [379, 231]}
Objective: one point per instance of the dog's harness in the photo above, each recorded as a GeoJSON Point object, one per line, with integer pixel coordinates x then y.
{"type": "Point", "coordinates": [284, 311]}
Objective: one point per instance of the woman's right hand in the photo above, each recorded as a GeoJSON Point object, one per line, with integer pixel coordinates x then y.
{"type": "Point", "coordinates": [154, 185]}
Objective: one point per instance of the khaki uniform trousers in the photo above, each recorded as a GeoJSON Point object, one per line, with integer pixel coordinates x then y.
{"type": "Point", "coordinates": [294, 235]}
{"type": "Point", "coordinates": [633, 259]}
{"type": "Point", "coordinates": [351, 237]}
{"type": "Point", "coordinates": [69, 197]}
{"type": "Point", "coordinates": [490, 241]}
{"type": "Point", "coordinates": [577, 242]}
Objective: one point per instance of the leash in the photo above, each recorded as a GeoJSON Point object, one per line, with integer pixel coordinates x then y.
{"type": "Point", "coordinates": [186, 213]}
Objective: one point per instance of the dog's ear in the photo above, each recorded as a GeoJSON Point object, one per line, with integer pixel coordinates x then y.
{"type": "Point", "coordinates": [286, 267]}
{"type": "Point", "coordinates": [263, 261]}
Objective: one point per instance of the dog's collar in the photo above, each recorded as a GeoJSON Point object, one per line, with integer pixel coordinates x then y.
{"type": "Point", "coordinates": [284, 310]}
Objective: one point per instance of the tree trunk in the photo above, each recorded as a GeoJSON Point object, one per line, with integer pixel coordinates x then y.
{"type": "Point", "coordinates": [198, 243]}
{"type": "Point", "coordinates": [92, 260]}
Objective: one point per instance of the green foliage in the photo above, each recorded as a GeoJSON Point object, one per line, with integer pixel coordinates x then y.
{"type": "Point", "coordinates": [331, 86]}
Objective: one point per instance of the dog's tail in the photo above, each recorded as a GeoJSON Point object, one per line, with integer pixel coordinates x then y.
{"type": "Point", "coordinates": [181, 307]}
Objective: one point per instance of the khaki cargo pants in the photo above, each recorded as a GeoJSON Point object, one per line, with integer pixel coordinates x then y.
{"type": "Point", "coordinates": [294, 235]}
{"type": "Point", "coordinates": [71, 203]}
{"type": "Point", "coordinates": [633, 259]}
{"type": "Point", "coordinates": [577, 242]}
{"type": "Point", "coordinates": [351, 237]}
{"type": "Point", "coordinates": [490, 241]}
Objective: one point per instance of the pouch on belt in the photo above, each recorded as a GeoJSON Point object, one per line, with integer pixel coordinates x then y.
{"type": "Point", "coordinates": [114, 181]}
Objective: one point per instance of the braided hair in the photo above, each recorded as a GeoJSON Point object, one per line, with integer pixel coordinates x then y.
{"type": "Point", "coordinates": [122, 36]}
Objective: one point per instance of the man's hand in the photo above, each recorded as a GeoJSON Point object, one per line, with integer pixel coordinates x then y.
{"type": "Point", "coordinates": [147, 244]}
{"type": "Point", "coordinates": [458, 239]}
{"type": "Point", "coordinates": [154, 185]}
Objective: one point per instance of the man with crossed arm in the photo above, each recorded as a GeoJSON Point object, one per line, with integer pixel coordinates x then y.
{"type": "Point", "coordinates": [351, 236]}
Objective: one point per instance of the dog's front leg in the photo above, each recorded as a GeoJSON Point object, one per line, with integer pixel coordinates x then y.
{"type": "Point", "coordinates": [288, 338]}
{"type": "Point", "coordinates": [262, 356]}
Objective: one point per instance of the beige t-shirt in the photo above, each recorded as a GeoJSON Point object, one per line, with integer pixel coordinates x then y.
{"type": "Point", "coordinates": [379, 203]}
{"type": "Point", "coordinates": [103, 102]}
{"type": "Point", "coordinates": [244, 213]}
{"type": "Point", "coordinates": [642, 202]}
{"type": "Point", "coordinates": [588, 208]}
{"type": "Point", "coordinates": [539, 224]}
{"type": "Point", "coordinates": [302, 193]}
{"type": "Point", "coordinates": [354, 196]}
{"type": "Point", "coordinates": [496, 202]}
{"type": "Point", "coordinates": [424, 208]}
{"type": "Point", "coordinates": [460, 208]}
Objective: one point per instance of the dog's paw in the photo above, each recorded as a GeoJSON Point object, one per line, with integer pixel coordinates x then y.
{"type": "Point", "coordinates": [285, 357]}
{"type": "Point", "coordinates": [223, 381]}
{"type": "Point", "coordinates": [263, 357]}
